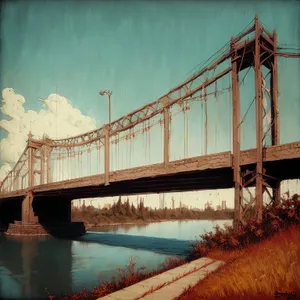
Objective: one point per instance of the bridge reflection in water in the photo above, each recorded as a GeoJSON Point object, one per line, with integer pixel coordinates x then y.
{"type": "Point", "coordinates": [33, 267]}
{"type": "Point", "coordinates": [27, 263]}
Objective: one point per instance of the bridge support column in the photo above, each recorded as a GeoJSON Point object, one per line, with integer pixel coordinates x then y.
{"type": "Point", "coordinates": [236, 111]}
{"type": "Point", "coordinates": [47, 154]}
{"type": "Point", "coordinates": [27, 209]}
{"type": "Point", "coordinates": [276, 192]}
{"type": "Point", "coordinates": [259, 123]}
{"type": "Point", "coordinates": [205, 123]}
{"type": "Point", "coordinates": [166, 135]}
{"type": "Point", "coordinates": [275, 112]}
{"type": "Point", "coordinates": [43, 160]}
{"type": "Point", "coordinates": [28, 216]}
{"type": "Point", "coordinates": [106, 155]}
{"type": "Point", "coordinates": [274, 95]}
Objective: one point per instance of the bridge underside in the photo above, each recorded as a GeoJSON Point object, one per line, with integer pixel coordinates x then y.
{"type": "Point", "coordinates": [51, 203]}
{"type": "Point", "coordinates": [186, 181]}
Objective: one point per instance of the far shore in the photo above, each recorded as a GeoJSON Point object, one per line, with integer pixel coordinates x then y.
{"type": "Point", "coordinates": [144, 223]}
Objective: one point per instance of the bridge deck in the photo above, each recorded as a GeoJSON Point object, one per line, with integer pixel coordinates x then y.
{"type": "Point", "coordinates": [197, 173]}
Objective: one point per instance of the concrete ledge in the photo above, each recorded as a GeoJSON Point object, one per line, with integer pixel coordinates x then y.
{"type": "Point", "coordinates": [26, 230]}
{"type": "Point", "coordinates": [176, 288]}
{"type": "Point", "coordinates": [67, 229]}
{"type": "Point", "coordinates": [170, 284]}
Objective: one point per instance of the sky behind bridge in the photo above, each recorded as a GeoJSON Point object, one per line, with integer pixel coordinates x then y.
{"type": "Point", "coordinates": [139, 50]}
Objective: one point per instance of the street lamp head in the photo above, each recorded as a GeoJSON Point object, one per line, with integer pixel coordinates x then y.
{"type": "Point", "coordinates": [107, 92]}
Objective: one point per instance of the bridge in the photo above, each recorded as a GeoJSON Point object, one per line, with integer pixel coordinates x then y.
{"type": "Point", "coordinates": [51, 173]}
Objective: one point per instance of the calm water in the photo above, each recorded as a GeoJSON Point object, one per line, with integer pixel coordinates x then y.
{"type": "Point", "coordinates": [35, 267]}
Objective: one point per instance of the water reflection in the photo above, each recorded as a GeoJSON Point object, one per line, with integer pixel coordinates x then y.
{"type": "Point", "coordinates": [25, 273]}
{"type": "Point", "coordinates": [116, 228]}
{"type": "Point", "coordinates": [33, 267]}
{"type": "Point", "coordinates": [182, 230]}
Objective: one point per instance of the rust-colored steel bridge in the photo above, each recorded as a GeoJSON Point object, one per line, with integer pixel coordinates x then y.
{"type": "Point", "coordinates": [32, 183]}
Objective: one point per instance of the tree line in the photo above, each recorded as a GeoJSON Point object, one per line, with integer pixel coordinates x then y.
{"type": "Point", "coordinates": [121, 212]}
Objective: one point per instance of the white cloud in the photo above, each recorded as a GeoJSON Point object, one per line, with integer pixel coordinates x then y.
{"type": "Point", "coordinates": [58, 119]}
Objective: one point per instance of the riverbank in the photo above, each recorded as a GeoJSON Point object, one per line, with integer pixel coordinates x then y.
{"type": "Point", "coordinates": [142, 223]}
{"type": "Point", "coordinates": [262, 258]}
{"type": "Point", "coordinates": [259, 271]}
{"type": "Point", "coordinates": [256, 272]}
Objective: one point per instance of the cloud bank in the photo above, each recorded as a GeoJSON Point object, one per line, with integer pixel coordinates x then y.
{"type": "Point", "coordinates": [58, 119]}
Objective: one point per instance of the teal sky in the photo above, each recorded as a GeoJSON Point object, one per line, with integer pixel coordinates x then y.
{"type": "Point", "coordinates": [139, 50]}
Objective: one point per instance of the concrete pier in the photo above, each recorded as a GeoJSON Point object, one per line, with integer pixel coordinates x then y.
{"type": "Point", "coordinates": [57, 229]}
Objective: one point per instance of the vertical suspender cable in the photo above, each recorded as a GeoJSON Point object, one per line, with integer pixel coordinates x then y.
{"type": "Point", "coordinates": [217, 119]}
{"type": "Point", "coordinates": [90, 159]}
{"type": "Point", "coordinates": [145, 141]}
{"type": "Point", "coordinates": [118, 150]}
{"type": "Point", "coordinates": [230, 115]}
{"type": "Point", "coordinates": [149, 136]}
{"type": "Point", "coordinates": [201, 123]}
{"type": "Point", "coordinates": [162, 136]}
{"type": "Point", "coordinates": [187, 130]}
{"type": "Point", "coordinates": [130, 147]}
{"type": "Point", "coordinates": [78, 163]}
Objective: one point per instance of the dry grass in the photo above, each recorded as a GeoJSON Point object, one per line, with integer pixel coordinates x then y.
{"type": "Point", "coordinates": [256, 272]}
{"type": "Point", "coordinates": [127, 277]}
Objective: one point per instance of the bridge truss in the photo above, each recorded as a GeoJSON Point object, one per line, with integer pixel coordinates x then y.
{"type": "Point", "coordinates": [253, 47]}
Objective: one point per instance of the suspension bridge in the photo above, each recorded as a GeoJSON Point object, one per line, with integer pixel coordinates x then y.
{"type": "Point", "coordinates": [51, 173]}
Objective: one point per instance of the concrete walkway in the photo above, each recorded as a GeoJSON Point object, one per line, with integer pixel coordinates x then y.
{"type": "Point", "coordinates": [168, 285]}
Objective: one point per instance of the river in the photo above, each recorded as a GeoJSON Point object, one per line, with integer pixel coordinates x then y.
{"type": "Point", "coordinates": [36, 267]}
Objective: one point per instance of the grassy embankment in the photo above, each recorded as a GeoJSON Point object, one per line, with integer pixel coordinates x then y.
{"type": "Point", "coordinates": [256, 272]}
{"type": "Point", "coordinates": [262, 258]}
{"type": "Point", "coordinates": [124, 213]}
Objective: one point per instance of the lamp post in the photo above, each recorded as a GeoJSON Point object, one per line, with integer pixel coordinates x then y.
{"type": "Point", "coordinates": [108, 93]}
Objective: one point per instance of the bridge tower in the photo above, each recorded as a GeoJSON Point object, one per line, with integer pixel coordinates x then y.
{"type": "Point", "coordinates": [39, 172]}
{"type": "Point", "coordinates": [28, 216]}
{"type": "Point", "coordinates": [258, 52]}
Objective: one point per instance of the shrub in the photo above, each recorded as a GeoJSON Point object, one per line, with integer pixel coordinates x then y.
{"type": "Point", "coordinates": [275, 218]}
{"type": "Point", "coordinates": [127, 276]}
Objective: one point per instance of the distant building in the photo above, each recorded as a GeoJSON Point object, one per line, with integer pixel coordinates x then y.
{"type": "Point", "coordinates": [162, 201]}
{"type": "Point", "coordinates": [223, 205]}
{"type": "Point", "coordinates": [173, 203]}
{"type": "Point", "coordinates": [219, 207]}
{"type": "Point", "coordinates": [207, 205]}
